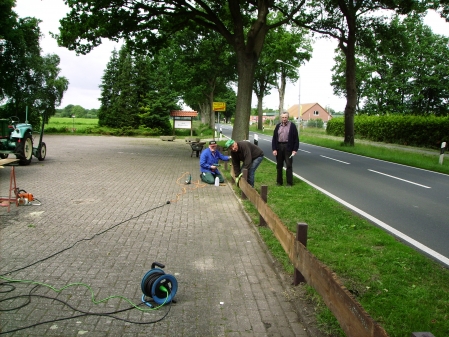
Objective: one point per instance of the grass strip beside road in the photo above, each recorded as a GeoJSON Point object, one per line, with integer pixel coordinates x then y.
{"type": "Point", "coordinates": [399, 287]}
{"type": "Point", "coordinates": [427, 159]}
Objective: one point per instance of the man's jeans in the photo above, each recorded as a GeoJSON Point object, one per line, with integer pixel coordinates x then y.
{"type": "Point", "coordinates": [252, 170]}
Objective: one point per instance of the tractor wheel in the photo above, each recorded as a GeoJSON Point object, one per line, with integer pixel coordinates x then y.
{"type": "Point", "coordinates": [43, 152]}
{"type": "Point", "coordinates": [3, 155]}
{"type": "Point", "coordinates": [24, 150]}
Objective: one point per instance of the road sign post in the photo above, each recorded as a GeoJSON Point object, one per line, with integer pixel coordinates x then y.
{"type": "Point", "coordinates": [443, 147]}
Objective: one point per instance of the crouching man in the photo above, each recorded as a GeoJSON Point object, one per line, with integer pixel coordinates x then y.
{"type": "Point", "coordinates": [249, 154]}
{"type": "Point", "coordinates": [209, 163]}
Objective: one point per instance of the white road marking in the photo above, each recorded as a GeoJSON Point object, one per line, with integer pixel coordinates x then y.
{"type": "Point", "coordinates": [407, 181]}
{"type": "Point", "coordinates": [378, 222]}
{"type": "Point", "coordinates": [335, 160]}
{"type": "Point", "coordinates": [382, 224]}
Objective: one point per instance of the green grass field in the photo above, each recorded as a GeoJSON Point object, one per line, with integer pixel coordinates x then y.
{"type": "Point", "coordinates": [90, 126]}
{"type": "Point", "coordinates": [63, 125]}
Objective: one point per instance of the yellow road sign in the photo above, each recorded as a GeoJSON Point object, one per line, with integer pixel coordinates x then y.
{"type": "Point", "coordinates": [219, 106]}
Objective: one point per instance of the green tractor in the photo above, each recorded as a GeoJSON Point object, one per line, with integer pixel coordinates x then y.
{"type": "Point", "coordinates": [17, 138]}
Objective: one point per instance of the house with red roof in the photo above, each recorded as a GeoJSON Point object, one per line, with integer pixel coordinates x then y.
{"type": "Point", "coordinates": [310, 111]}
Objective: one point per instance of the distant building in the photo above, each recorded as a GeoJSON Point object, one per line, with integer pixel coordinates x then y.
{"type": "Point", "coordinates": [310, 111]}
{"type": "Point", "coordinates": [266, 116]}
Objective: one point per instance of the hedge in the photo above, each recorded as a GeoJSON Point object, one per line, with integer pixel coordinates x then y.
{"type": "Point", "coordinates": [405, 130]}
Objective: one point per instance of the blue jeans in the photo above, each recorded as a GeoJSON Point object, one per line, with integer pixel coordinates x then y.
{"type": "Point", "coordinates": [252, 170]}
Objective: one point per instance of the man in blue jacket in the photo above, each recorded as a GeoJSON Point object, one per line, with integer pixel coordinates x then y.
{"type": "Point", "coordinates": [285, 144]}
{"type": "Point", "coordinates": [209, 163]}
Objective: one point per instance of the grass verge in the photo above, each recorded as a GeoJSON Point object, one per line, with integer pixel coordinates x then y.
{"type": "Point", "coordinates": [400, 288]}
{"type": "Point", "coordinates": [424, 158]}
{"type": "Point", "coordinates": [89, 126]}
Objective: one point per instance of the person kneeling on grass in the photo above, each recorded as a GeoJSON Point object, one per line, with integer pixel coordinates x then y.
{"type": "Point", "coordinates": [209, 163]}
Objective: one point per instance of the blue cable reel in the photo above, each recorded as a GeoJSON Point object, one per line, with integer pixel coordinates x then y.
{"type": "Point", "coordinates": [158, 285]}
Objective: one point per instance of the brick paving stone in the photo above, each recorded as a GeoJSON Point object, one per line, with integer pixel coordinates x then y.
{"type": "Point", "coordinates": [112, 206]}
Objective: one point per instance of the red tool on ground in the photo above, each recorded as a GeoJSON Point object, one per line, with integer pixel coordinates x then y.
{"type": "Point", "coordinates": [24, 198]}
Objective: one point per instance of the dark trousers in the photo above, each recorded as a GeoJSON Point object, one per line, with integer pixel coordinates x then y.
{"type": "Point", "coordinates": [209, 178]}
{"type": "Point", "coordinates": [284, 156]}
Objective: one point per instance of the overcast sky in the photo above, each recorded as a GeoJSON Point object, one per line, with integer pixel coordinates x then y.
{"type": "Point", "coordinates": [84, 72]}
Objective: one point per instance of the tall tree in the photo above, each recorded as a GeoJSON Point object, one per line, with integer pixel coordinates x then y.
{"type": "Point", "coordinates": [264, 81]}
{"type": "Point", "coordinates": [136, 90]}
{"type": "Point", "coordinates": [284, 52]}
{"type": "Point", "coordinates": [402, 75]}
{"type": "Point", "coordinates": [108, 90]}
{"type": "Point", "coordinates": [202, 64]}
{"type": "Point", "coordinates": [161, 98]}
{"type": "Point", "coordinates": [126, 107]}
{"type": "Point", "coordinates": [147, 23]}
{"type": "Point", "coordinates": [118, 98]}
{"type": "Point", "coordinates": [292, 49]}
{"type": "Point", "coordinates": [346, 20]}
{"type": "Point", "coordinates": [48, 88]}
{"type": "Point", "coordinates": [27, 79]}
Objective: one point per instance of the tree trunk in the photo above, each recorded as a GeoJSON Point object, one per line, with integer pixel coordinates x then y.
{"type": "Point", "coordinates": [246, 63]}
{"type": "Point", "coordinates": [260, 111]}
{"type": "Point", "coordinates": [211, 112]}
{"type": "Point", "coordinates": [203, 113]}
{"type": "Point", "coordinates": [212, 119]}
{"type": "Point", "coordinates": [351, 85]}
{"type": "Point", "coordinates": [210, 98]}
{"type": "Point", "coordinates": [281, 90]}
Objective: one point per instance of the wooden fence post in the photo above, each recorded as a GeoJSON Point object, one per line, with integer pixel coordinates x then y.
{"type": "Point", "coordinates": [301, 236]}
{"type": "Point", "coordinates": [264, 196]}
{"type": "Point", "coordinates": [226, 162]}
{"type": "Point", "coordinates": [244, 176]}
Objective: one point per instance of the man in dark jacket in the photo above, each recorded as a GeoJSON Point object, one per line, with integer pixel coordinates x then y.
{"type": "Point", "coordinates": [251, 155]}
{"type": "Point", "coordinates": [285, 144]}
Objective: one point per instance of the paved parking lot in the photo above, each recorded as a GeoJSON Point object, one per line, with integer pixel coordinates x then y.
{"type": "Point", "coordinates": [109, 208]}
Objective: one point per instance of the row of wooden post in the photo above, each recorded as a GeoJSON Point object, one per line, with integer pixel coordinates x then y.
{"type": "Point", "coordinates": [353, 319]}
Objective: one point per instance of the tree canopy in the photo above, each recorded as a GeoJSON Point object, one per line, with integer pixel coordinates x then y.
{"type": "Point", "coordinates": [76, 111]}
{"type": "Point", "coordinates": [136, 91]}
{"type": "Point", "coordinates": [399, 69]}
{"type": "Point", "coordinates": [27, 79]}
{"type": "Point", "coordinates": [347, 21]}
{"type": "Point", "coordinates": [284, 52]}
{"type": "Point", "coordinates": [148, 24]}
{"type": "Point", "coordinates": [201, 66]}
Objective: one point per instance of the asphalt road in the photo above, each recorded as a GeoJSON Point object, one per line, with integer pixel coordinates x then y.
{"type": "Point", "coordinates": [410, 203]}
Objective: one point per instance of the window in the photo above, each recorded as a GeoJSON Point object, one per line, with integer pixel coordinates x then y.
{"type": "Point", "coordinates": [316, 113]}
